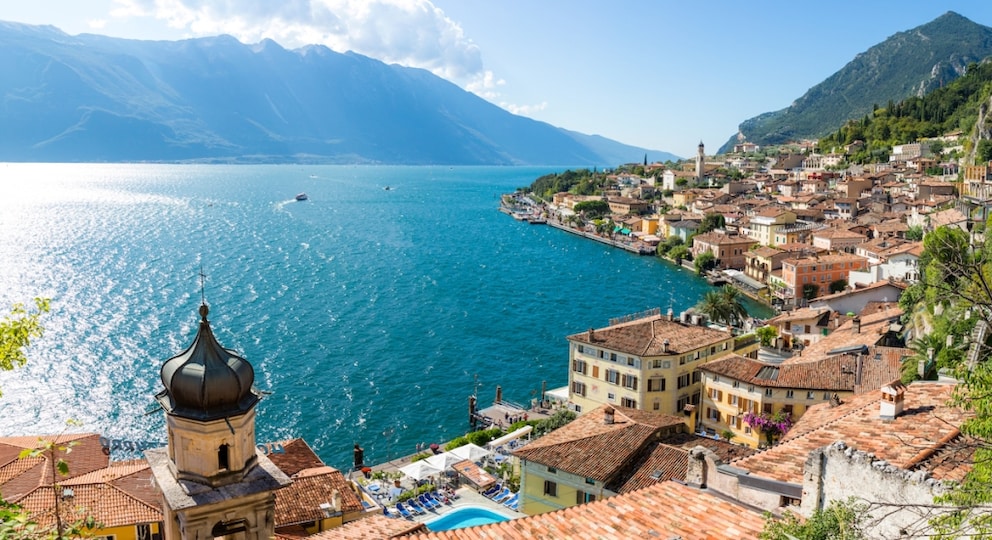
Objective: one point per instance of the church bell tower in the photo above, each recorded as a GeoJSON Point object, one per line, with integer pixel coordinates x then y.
{"type": "Point", "coordinates": [214, 480]}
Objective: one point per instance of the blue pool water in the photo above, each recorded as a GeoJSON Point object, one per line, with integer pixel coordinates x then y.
{"type": "Point", "coordinates": [465, 517]}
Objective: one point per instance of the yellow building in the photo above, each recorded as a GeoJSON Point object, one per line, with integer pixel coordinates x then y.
{"type": "Point", "coordinates": [768, 223]}
{"type": "Point", "coordinates": [646, 361]}
{"type": "Point", "coordinates": [735, 386]}
{"type": "Point", "coordinates": [592, 457]}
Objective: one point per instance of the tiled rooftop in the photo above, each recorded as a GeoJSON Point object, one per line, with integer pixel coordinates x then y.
{"type": "Point", "coordinates": [296, 455]}
{"type": "Point", "coordinates": [833, 373]}
{"type": "Point", "coordinates": [664, 510]}
{"type": "Point", "coordinates": [376, 527]}
{"type": "Point", "coordinates": [904, 441]}
{"type": "Point", "coordinates": [589, 447]}
{"type": "Point", "coordinates": [300, 501]}
{"type": "Point", "coordinates": [647, 336]}
{"type": "Point", "coordinates": [19, 476]}
{"type": "Point", "coordinates": [874, 323]}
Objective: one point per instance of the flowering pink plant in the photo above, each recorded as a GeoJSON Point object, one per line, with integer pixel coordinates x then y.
{"type": "Point", "coordinates": [775, 424]}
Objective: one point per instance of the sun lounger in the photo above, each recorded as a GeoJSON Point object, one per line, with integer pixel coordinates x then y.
{"type": "Point", "coordinates": [439, 497]}
{"type": "Point", "coordinates": [515, 505]}
{"type": "Point", "coordinates": [403, 511]}
{"type": "Point", "coordinates": [493, 490]}
{"type": "Point", "coordinates": [415, 506]}
{"type": "Point", "coordinates": [426, 502]}
{"type": "Point", "coordinates": [502, 495]}
{"type": "Point", "coordinates": [503, 498]}
{"type": "Point", "coordinates": [512, 501]}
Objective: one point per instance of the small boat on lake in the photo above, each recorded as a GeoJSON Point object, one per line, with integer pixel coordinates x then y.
{"type": "Point", "coordinates": [387, 188]}
{"type": "Point", "coordinates": [302, 197]}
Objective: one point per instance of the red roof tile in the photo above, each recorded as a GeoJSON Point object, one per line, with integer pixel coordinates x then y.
{"type": "Point", "coordinates": [663, 510]}
{"type": "Point", "coordinates": [647, 337]}
{"type": "Point", "coordinates": [926, 424]}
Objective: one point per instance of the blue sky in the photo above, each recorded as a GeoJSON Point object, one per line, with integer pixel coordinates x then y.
{"type": "Point", "coordinates": [659, 74]}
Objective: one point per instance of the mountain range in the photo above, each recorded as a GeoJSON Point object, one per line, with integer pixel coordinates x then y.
{"type": "Point", "coordinates": [94, 98]}
{"type": "Point", "coordinates": [910, 63]}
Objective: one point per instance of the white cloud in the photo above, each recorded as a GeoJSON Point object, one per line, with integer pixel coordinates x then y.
{"type": "Point", "coordinates": [407, 32]}
{"type": "Point", "coordinates": [412, 33]}
{"type": "Point", "coordinates": [525, 110]}
{"type": "Point", "coordinates": [97, 24]}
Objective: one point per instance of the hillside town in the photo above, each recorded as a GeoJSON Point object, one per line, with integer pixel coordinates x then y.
{"type": "Point", "coordinates": [682, 428]}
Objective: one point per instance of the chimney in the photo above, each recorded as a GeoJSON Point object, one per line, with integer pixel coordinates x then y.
{"type": "Point", "coordinates": [591, 335]}
{"type": "Point", "coordinates": [608, 415]}
{"type": "Point", "coordinates": [671, 314]}
{"type": "Point", "coordinates": [665, 343]}
{"type": "Point", "coordinates": [893, 397]}
{"type": "Point", "coordinates": [856, 322]}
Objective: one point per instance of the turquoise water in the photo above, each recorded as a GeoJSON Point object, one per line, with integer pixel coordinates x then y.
{"type": "Point", "coordinates": [370, 315]}
{"type": "Point", "coordinates": [464, 517]}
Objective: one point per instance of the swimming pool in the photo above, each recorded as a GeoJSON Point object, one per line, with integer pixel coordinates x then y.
{"type": "Point", "coordinates": [465, 517]}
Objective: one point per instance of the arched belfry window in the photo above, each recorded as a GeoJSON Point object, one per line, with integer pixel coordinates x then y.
{"type": "Point", "coordinates": [223, 457]}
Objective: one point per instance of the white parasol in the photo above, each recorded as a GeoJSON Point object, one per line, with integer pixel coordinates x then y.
{"type": "Point", "coordinates": [470, 452]}
{"type": "Point", "coordinates": [418, 470]}
{"type": "Point", "coordinates": [444, 460]}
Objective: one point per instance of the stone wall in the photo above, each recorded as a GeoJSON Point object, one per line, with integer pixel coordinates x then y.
{"type": "Point", "coordinates": [898, 499]}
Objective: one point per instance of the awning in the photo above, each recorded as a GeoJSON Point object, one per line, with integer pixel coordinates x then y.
{"type": "Point", "coordinates": [495, 443]}
{"type": "Point", "coordinates": [557, 394]}
{"type": "Point", "coordinates": [625, 231]}
{"type": "Point", "coordinates": [474, 474]}
{"type": "Point", "coordinates": [740, 277]}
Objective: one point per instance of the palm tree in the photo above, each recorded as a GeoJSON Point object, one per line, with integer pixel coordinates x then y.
{"type": "Point", "coordinates": [732, 301]}
{"type": "Point", "coordinates": [723, 306]}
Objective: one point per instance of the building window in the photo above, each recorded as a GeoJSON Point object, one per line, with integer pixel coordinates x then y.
{"type": "Point", "coordinates": [768, 392]}
{"type": "Point", "coordinates": [809, 395]}
{"type": "Point", "coordinates": [716, 378]}
{"type": "Point", "coordinates": [613, 357]}
{"type": "Point", "coordinates": [630, 382]}
{"type": "Point", "coordinates": [629, 403]}
{"type": "Point", "coordinates": [579, 366]}
{"type": "Point", "coordinates": [826, 396]}
{"type": "Point", "coordinates": [733, 399]}
{"type": "Point", "coordinates": [580, 348]}
{"type": "Point", "coordinates": [223, 457]}
{"type": "Point", "coordinates": [591, 481]}
{"type": "Point", "coordinates": [595, 372]}
{"type": "Point", "coordinates": [697, 376]}
{"type": "Point", "coordinates": [550, 488]}
{"type": "Point", "coordinates": [737, 384]}
{"type": "Point", "coordinates": [713, 414]}
{"type": "Point", "coordinates": [657, 405]}
{"type": "Point", "coordinates": [552, 470]}
{"type": "Point", "coordinates": [683, 380]}
{"type": "Point", "coordinates": [612, 376]}
{"type": "Point", "coordinates": [578, 388]}
{"type": "Point", "coordinates": [582, 497]}
{"type": "Point", "coordinates": [789, 394]}
{"type": "Point", "coordinates": [656, 384]}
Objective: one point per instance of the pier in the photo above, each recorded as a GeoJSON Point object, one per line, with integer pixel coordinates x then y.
{"type": "Point", "coordinates": [639, 248]}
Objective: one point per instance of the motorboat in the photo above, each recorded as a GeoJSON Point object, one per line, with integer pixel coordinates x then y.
{"type": "Point", "coordinates": [302, 197]}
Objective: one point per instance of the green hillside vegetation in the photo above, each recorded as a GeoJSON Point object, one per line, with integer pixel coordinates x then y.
{"type": "Point", "coordinates": [909, 63]}
{"type": "Point", "coordinates": [945, 110]}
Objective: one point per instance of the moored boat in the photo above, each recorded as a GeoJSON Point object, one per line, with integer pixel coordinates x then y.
{"type": "Point", "coordinates": [302, 197]}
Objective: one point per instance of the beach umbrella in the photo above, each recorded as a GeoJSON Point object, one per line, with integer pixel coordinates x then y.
{"type": "Point", "coordinates": [470, 452]}
{"type": "Point", "coordinates": [444, 460]}
{"type": "Point", "coordinates": [418, 470]}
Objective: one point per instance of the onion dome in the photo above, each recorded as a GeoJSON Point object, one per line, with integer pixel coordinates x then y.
{"type": "Point", "coordinates": [206, 381]}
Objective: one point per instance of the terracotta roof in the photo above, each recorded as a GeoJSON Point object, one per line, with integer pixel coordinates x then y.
{"type": "Point", "coordinates": [859, 290]}
{"type": "Point", "coordinates": [874, 324]}
{"type": "Point", "coordinates": [926, 424]}
{"type": "Point", "coordinates": [667, 459]}
{"type": "Point", "coordinates": [801, 314]}
{"type": "Point", "coordinates": [823, 259]}
{"type": "Point", "coordinates": [716, 238]}
{"type": "Point", "coordinates": [109, 506]}
{"type": "Point", "coordinates": [663, 510]}
{"type": "Point", "coordinates": [296, 455]}
{"type": "Point", "coordinates": [374, 527]}
{"type": "Point", "coordinates": [591, 448]}
{"type": "Point", "coordinates": [19, 476]}
{"type": "Point", "coordinates": [766, 251]}
{"type": "Point", "coordinates": [646, 337]}
{"type": "Point", "coordinates": [837, 233]}
{"type": "Point", "coordinates": [842, 372]}
{"type": "Point", "coordinates": [300, 501]}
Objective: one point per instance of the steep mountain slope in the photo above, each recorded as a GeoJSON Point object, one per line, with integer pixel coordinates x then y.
{"type": "Point", "coordinates": [94, 98]}
{"type": "Point", "coordinates": [906, 64]}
